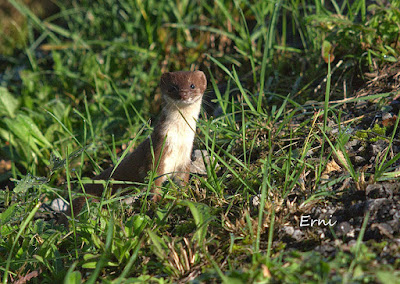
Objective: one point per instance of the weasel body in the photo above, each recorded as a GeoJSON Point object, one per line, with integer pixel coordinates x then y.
{"type": "Point", "coordinates": [171, 140]}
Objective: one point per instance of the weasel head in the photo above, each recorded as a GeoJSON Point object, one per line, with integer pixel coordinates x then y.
{"type": "Point", "coordinates": [183, 88]}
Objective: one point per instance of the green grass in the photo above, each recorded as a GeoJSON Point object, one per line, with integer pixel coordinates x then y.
{"type": "Point", "coordinates": [85, 85]}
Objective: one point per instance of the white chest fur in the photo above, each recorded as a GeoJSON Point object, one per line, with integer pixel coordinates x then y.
{"type": "Point", "coordinates": [179, 131]}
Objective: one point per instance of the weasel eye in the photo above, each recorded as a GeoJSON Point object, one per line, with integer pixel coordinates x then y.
{"type": "Point", "coordinates": [192, 86]}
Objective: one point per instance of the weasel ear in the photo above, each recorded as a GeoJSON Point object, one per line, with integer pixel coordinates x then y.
{"type": "Point", "coordinates": [201, 76]}
{"type": "Point", "coordinates": [199, 73]}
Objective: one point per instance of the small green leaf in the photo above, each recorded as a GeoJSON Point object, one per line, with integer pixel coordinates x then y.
{"type": "Point", "coordinates": [390, 58]}
{"type": "Point", "coordinates": [73, 277]}
{"type": "Point", "coordinates": [8, 104]}
{"type": "Point", "coordinates": [24, 128]}
{"type": "Point", "coordinates": [39, 258]}
{"type": "Point", "coordinates": [91, 260]}
{"type": "Point", "coordinates": [136, 224]}
{"type": "Point", "coordinates": [7, 214]}
{"type": "Point", "coordinates": [27, 182]}
{"type": "Point", "coordinates": [89, 265]}
{"type": "Point", "coordinates": [89, 256]}
{"type": "Point", "coordinates": [97, 242]}
{"type": "Point", "coordinates": [202, 216]}
{"type": "Point", "coordinates": [31, 126]}
{"type": "Point", "coordinates": [159, 244]}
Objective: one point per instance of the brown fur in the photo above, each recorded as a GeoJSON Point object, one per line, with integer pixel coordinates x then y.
{"type": "Point", "coordinates": [172, 138]}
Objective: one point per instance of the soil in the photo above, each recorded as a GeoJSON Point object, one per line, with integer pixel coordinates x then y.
{"type": "Point", "coordinates": [334, 222]}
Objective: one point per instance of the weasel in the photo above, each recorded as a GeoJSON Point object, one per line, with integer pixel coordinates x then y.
{"type": "Point", "coordinates": [171, 140]}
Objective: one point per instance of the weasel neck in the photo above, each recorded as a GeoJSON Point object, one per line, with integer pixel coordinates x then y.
{"type": "Point", "coordinates": [180, 117]}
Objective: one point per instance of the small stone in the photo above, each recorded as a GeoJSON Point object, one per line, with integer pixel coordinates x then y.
{"type": "Point", "coordinates": [351, 234]}
{"type": "Point", "coordinates": [334, 130]}
{"type": "Point", "coordinates": [59, 205]}
{"type": "Point", "coordinates": [343, 228]}
{"type": "Point", "coordinates": [375, 204]}
{"type": "Point", "coordinates": [297, 235]}
{"type": "Point", "coordinates": [386, 115]}
{"type": "Point", "coordinates": [309, 153]}
{"type": "Point", "coordinates": [384, 229]}
{"type": "Point", "coordinates": [379, 190]}
{"type": "Point", "coordinates": [289, 230]}
{"type": "Point", "coordinates": [325, 249]}
{"type": "Point", "coordinates": [352, 243]}
{"type": "Point", "coordinates": [255, 200]}
{"type": "Point", "coordinates": [378, 147]}
{"type": "Point", "coordinates": [197, 165]}
{"type": "Point", "coordinates": [353, 143]}
{"type": "Point", "coordinates": [130, 200]}
{"type": "Point", "coordinates": [358, 160]}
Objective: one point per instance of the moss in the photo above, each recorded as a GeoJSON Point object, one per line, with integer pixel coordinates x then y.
{"type": "Point", "coordinates": [372, 135]}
